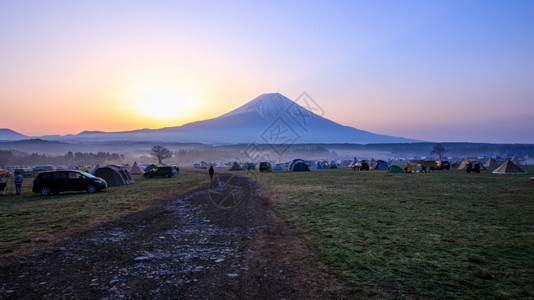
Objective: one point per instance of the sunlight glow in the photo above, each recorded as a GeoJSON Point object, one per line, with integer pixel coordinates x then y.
{"type": "Point", "coordinates": [162, 102]}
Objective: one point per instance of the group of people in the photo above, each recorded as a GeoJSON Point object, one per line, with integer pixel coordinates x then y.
{"type": "Point", "coordinates": [472, 167]}
{"type": "Point", "coordinates": [18, 183]}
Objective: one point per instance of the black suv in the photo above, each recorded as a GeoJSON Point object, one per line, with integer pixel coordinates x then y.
{"type": "Point", "coordinates": [159, 172]}
{"type": "Point", "coordinates": [265, 166]}
{"type": "Point", "coordinates": [444, 165]}
{"type": "Point", "coordinates": [53, 182]}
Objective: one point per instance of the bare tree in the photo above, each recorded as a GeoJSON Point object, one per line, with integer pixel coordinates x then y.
{"type": "Point", "coordinates": [439, 150]}
{"type": "Point", "coordinates": [161, 153]}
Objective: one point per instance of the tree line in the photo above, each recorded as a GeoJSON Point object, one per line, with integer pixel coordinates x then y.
{"type": "Point", "coordinates": [18, 158]}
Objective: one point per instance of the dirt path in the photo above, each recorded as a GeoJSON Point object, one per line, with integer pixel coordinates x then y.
{"type": "Point", "coordinates": [220, 241]}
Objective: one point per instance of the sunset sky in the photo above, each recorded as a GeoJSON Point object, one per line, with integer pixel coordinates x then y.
{"type": "Point", "coordinates": [428, 70]}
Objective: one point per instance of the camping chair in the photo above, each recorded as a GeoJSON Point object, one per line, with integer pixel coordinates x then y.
{"type": "Point", "coordinates": [531, 179]}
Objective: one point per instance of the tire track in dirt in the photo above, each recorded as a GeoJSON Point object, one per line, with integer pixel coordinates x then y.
{"type": "Point", "coordinates": [191, 247]}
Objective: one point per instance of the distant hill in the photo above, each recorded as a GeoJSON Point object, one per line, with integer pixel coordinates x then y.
{"type": "Point", "coordinates": [10, 135]}
{"type": "Point", "coordinates": [267, 119]}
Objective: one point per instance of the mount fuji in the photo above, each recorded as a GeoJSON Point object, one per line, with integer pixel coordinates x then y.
{"type": "Point", "coordinates": [267, 119]}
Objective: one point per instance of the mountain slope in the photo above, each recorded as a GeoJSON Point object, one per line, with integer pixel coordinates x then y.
{"type": "Point", "coordinates": [267, 119]}
{"type": "Point", "coordinates": [10, 135]}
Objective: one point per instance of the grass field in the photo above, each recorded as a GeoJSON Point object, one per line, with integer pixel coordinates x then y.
{"type": "Point", "coordinates": [29, 220]}
{"type": "Point", "coordinates": [436, 235]}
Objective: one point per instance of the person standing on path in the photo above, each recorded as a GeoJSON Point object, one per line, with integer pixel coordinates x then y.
{"type": "Point", "coordinates": [211, 171]}
{"type": "Point", "coordinates": [18, 183]}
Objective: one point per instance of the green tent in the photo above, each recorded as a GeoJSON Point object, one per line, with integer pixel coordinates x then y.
{"type": "Point", "coordinates": [395, 169]}
{"type": "Point", "coordinates": [154, 167]}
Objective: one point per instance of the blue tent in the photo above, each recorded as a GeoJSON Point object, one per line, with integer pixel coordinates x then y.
{"type": "Point", "coordinates": [277, 168]}
{"type": "Point", "coordinates": [318, 166]}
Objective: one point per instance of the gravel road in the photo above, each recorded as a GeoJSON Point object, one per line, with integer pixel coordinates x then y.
{"type": "Point", "coordinates": [221, 241]}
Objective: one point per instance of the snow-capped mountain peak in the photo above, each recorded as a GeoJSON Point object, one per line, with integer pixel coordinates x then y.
{"type": "Point", "coordinates": [266, 105]}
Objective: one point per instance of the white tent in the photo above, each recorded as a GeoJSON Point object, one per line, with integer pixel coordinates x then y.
{"type": "Point", "coordinates": [221, 165]}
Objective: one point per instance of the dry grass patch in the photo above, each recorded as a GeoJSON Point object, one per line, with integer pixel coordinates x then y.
{"type": "Point", "coordinates": [31, 220]}
{"type": "Point", "coordinates": [445, 234]}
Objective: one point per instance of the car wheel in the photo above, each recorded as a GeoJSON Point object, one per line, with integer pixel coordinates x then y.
{"type": "Point", "coordinates": [91, 189]}
{"type": "Point", "coordinates": [45, 191]}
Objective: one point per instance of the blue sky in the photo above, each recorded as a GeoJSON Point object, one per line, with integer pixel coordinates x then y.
{"type": "Point", "coordinates": [429, 70]}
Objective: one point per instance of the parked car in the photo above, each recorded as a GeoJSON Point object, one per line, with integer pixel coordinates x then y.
{"type": "Point", "coordinates": [444, 165]}
{"type": "Point", "coordinates": [265, 166]}
{"type": "Point", "coordinates": [166, 172]}
{"type": "Point", "coordinates": [53, 182]}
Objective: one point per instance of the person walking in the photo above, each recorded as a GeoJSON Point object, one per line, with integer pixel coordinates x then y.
{"type": "Point", "coordinates": [18, 183]}
{"type": "Point", "coordinates": [211, 171]}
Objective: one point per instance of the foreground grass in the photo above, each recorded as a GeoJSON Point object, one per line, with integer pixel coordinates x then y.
{"type": "Point", "coordinates": [29, 220]}
{"type": "Point", "coordinates": [439, 235]}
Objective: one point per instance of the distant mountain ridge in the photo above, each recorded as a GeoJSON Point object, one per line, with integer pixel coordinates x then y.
{"type": "Point", "coordinates": [267, 119]}
{"type": "Point", "coordinates": [11, 135]}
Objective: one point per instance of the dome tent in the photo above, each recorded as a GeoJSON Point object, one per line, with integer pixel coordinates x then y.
{"type": "Point", "coordinates": [318, 166]}
{"type": "Point", "coordinates": [395, 169]}
{"type": "Point", "coordinates": [298, 165]}
{"type": "Point", "coordinates": [114, 175]}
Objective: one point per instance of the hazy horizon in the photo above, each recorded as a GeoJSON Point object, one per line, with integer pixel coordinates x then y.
{"type": "Point", "coordinates": [457, 71]}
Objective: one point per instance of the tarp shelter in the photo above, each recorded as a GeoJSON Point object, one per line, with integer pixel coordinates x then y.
{"type": "Point", "coordinates": [473, 161]}
{"type": "Point", "coordinates": [508, 167]}
{"type": "Point", "coordinates": [298, 165]}
{"type": "Point", "coordinates": [379, 165]}
{"type": "Point", "coordinates": [277, 168]}
{"type": "Point", "coordinates": [236, 167]}
{"type": "Point", "coordinates": [395, 169]}
{"type": "Point", "coordinates": [136, 170]}
{"type": "Point", "coordinates": [491, 163]}
{"type": "Point", "coordinates": [318, 166]}
{"type": "Point", "coordinates": [221, 165]}
{"type": "Point", "coordinates": [40, 169]}
{"type": "Point", "coordinates": [114, 176]}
